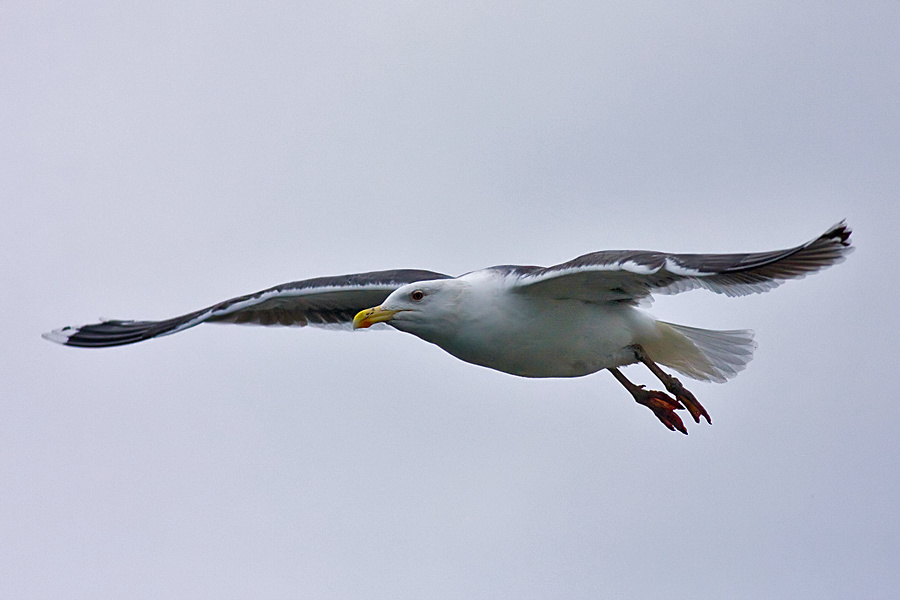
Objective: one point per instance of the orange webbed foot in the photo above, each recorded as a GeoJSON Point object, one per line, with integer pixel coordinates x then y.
{"type": "Point", "coordinates": [663, 406]}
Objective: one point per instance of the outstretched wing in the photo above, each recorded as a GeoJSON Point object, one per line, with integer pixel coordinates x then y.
{"type": "Point", "coordinates": [632, 275]}
{"type": "Point", "coordinates": [322, 301]}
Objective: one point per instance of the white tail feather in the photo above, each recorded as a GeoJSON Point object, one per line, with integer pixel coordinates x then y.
{"type": "Point", "coordinates": [702, 354]}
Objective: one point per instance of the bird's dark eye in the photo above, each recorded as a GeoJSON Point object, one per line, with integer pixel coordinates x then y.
{"type": "Point", "coordinates": [417, 295]}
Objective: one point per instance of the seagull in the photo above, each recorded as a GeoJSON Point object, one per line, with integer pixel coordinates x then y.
{"type": "Point", "coordinates": [568, 320]}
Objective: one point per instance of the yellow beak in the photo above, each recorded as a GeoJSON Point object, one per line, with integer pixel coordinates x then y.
{"type": "Point", "coordinates": [370, 316]}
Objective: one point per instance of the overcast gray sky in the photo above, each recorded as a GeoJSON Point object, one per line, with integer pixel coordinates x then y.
{"type": "Point", "coordinates": [160, 157]}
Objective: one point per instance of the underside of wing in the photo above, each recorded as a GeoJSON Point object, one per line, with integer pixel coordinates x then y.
{"type": "Point", "coordinates": [322, 301]}
{"type": "Point", "coordinates": [632, 275]}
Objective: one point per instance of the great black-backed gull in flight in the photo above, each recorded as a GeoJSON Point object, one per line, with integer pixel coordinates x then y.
{"type": "Point", "coordinates": [567, 320]}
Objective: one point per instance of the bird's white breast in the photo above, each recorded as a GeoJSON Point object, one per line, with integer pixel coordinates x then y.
{"type": "Point", "coordinates": [540, 337]}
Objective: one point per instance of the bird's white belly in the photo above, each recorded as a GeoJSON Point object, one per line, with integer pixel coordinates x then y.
{"type": "Point", "coordinates": [550, 338]}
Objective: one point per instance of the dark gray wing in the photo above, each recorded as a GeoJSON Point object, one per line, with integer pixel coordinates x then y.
{"type": "Point", "coordinates": [632, 275]}
{"type": "Point", "coordinates": [320, 301]}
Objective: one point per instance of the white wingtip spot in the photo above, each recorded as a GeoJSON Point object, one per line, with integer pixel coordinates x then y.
{"type": "Point", "coordinates": [60, 336]}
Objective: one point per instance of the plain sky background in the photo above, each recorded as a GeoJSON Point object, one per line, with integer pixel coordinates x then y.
{"type": "Point", "coordinates": [158, 157]}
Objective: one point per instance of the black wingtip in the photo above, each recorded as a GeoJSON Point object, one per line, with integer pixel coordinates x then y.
{"type": "Point", "coordinates": [840, 232]}
{"type": "Point", "coordinates": [105, 334]}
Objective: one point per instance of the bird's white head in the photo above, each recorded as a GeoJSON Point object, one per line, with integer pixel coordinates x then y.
{"type": "Point", "coordinates": [417, 308]}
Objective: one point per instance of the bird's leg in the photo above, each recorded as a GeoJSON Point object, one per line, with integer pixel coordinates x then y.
{"type": "Point", "coordinates": [674, 387]}
{"type": "Point", "coordinates": [662, 405]}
